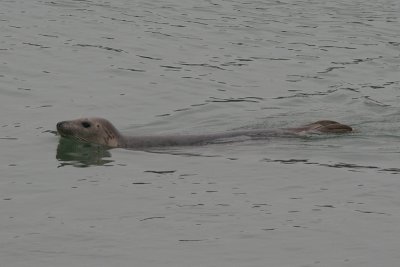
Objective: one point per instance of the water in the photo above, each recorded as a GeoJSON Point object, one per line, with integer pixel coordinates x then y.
{"type": "Point", "coordinates": [193, 67]}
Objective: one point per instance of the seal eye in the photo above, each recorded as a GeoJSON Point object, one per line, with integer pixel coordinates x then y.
{"type": "Point", "coordinates": [86, 124]}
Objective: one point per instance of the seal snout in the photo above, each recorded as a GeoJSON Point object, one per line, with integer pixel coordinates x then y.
{"type": "Point", "coordinates": [60, 124]}
{"type": "Point", "coordinates": [62, 128]}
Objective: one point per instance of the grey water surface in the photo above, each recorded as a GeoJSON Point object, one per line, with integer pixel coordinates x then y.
{"type": "Point", "coordinates": [162, 67]}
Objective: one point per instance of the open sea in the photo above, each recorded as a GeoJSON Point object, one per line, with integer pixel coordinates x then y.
{"type": "Point", "coordinates": [200, 66]}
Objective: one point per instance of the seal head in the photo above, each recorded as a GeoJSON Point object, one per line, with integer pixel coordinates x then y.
{"type": "Point", "coordinates": [92, 130]}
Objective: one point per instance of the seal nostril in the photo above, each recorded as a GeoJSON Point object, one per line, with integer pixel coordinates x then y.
{"type": "Point", "coordinates": [59, 124]}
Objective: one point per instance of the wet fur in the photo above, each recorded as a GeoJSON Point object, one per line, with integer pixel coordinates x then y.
{"type": "Point", "coordinates": [101, 131]}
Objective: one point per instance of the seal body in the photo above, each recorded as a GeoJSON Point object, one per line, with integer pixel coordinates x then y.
{"type": "Point", "coordinates": [101, 131]}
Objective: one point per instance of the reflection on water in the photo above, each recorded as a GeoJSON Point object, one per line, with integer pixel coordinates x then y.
{"type": "Point", "coordinates": [78, 154]}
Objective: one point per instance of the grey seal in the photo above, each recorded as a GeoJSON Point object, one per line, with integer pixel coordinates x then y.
{"type": "Point", "coordinates": [101, 131]}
